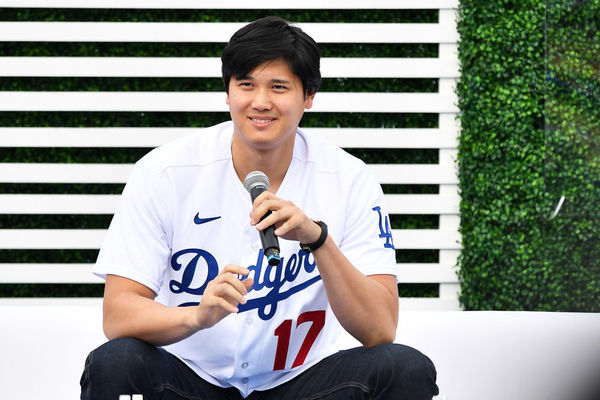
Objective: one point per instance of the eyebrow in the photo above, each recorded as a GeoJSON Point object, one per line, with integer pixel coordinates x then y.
{"type": "Point", "coordinates": [251, 78]}
{"type": "Point", "coordinates": [280, 81]}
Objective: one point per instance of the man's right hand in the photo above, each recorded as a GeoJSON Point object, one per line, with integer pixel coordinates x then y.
{"type": "Point", "coordinates": [130, 309]}
{"type": "Point", "coordinates": [223, 295]}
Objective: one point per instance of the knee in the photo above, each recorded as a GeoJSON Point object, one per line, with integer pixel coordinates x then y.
{"type": "Point", "coordinates": [118, 366]}
{"type": "Point", "coordinates": [409, 361]}
{"type": "Point", "coordinates": [410, 368]}
{"type": "Point", "coordinates": [118, 357]}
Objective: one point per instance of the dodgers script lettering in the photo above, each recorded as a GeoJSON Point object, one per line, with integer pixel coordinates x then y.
{"type": "Point", "coordinates": [265, 276]}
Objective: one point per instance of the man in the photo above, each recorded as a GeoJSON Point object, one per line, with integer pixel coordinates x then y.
{"type": "Point", "coordinates": [185, 269]}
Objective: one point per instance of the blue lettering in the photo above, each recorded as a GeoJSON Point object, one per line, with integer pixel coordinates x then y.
{"type": "Point", "coordinates": [292, 268]}
{"type": "Point", "coordinates": [308, 266]}
{"type": "Point", "coordinates": [273, 297]}
{"type": "Point", "coordinates": [274, 281]}
{"type": "Point", "coordinates": [258, 284]}
{"type": "Point", "coordinates": [385, 232]}
{"type": "Point", "coordinates": [190, 270]}
{"type": "Point", "coordinates": [189, 304]}
{"type": "Point", "coordinates": [272, 277]}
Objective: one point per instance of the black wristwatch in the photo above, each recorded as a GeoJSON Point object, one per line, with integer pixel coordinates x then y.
{"type": "Point", "coordinates": [310, 247]}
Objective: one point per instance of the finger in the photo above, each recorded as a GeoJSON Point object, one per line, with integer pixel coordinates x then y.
{"type": "Point", "coordinates": [275, 217]}
{"type": "Point", "coordinates": [261, 209]}
{"type": "Point", "coordinates": [226, 280]}
{"type": "Point", "coordinates": [280, 213]}
{"type": "Point", "coordinates": [233, 295]}
{"type": "Point", "coordinates": [235, 269]}
{"type": "Point", "coordinates": [225, 291]}
{"type": "Point", "coordinates": [235, 283]}
{"type": "Point", "coordinates": [261, 199]}
{"type": "Point", "coordinates": [221, 303]}
{"type": "Point", "coordinates": [248, 283]}
{"type": "Point", "coordinates": [266, 195]}
{"type": "Point", "coordinates": [284, 228]}
{"type": "Point", "coordinates": [292, 220]}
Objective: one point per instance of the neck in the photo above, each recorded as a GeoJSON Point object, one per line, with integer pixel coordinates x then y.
{"type": "Point", "coordinates": [273, 162]}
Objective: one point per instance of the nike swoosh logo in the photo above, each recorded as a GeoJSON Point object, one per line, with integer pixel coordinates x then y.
{"type": "Point", "coordinates": [200, 221]}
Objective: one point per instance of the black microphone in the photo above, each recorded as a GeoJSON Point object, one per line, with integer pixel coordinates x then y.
{"type": "Point", "coordinates": [257, 182]}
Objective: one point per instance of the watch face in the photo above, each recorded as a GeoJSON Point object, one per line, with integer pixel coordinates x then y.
{"type": "Point", "coordinates": [305, 248]}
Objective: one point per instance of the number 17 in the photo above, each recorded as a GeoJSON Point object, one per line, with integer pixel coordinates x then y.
{"type": "Point", "coordinates": [284, 332]}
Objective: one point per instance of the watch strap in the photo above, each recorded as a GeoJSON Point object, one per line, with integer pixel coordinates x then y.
{"type": "Point", "coordinates": [310, 247]}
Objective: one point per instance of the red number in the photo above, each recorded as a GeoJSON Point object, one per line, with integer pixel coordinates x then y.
{"type": "Point", "coordinates": [284, 333]}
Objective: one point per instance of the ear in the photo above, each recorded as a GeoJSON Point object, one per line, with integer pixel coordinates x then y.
{"type": "Point", "coordinates": [308, 101]}
{"type": "Point", "coordinates": [227, 98]}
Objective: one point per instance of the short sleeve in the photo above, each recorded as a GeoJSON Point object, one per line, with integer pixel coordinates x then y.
{"type": "Point", "coordinates": [367, 240]}
{"type": "Point", "coordinates": [137, 243]}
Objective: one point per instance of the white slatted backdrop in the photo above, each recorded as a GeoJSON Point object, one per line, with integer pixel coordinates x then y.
{"type": "Point", "coordinates": [445, 67]}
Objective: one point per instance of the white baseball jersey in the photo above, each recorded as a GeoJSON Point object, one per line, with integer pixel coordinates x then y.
{"type": "Point", "coordinates": [184, 215]}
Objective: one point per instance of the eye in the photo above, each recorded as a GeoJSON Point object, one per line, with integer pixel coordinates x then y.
{"type": "Point", "coordinates": [279, 87]}
{"type": "Point", "coordinates": [245, 84]}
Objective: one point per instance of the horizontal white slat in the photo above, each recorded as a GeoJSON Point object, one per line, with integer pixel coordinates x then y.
{"type": "Point", "coordinates": [417, 138]}
{"type": "Point", "coordinates": [421, 203]}
{"type": "Point", "coordinates": [233, 4]}
{"type": "Point", "coordinates": [47, 273]}
{"type": "Point", "coordinates": [405, 138]}
{"type": "Point", "coordinates": [427, 273]}
{"type": "Point", "coordinates": [414, 174]}
{"type": "Point", "coordinates": [118, 173]}
{"type": "Point", "coordinates": [429, 304]}
{"type": "Point", "coordinates": [111, 66]}
{"type": "Point", "coordinates": [422, 239]}
{"type": "Point", "coordinates": [211, 67]}
{"type": "Point", "coordinates": [90, 137]}
{"type": "Point", "coordinates": [92, 239]}
{"type": "Point", "coordinates": [45, 303]}
{"type": "Point", "coordinates": [449, 163]}
{"type": "Point", "coordinates": [107, 203]}
{"type": "Point", "coordinates": [64, 173]}
{"type": "Point", "coordinates": [82, 273]}
{"type": "Point", "coordinates": [215, 102]}
{"type": "Point", "coordinates": [51, 238]}
{"type": "Point", "coordinates": [390, 68]}
{"type": "Point", "coordinates": [58, 203]}
{"type": "Point", "coordinates": [220, 32]}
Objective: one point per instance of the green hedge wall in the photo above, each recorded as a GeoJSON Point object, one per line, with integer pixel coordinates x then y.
{"type": "Point", "coordinates": [158, 119]}
{"type": "Point", "coordinates": [530, 101]}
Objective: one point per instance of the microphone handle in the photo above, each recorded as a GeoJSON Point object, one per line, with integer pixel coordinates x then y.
{"type": "Point", "coordinates": [269, 241]}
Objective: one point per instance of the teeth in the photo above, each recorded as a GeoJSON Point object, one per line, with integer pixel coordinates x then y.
{"type": "Point", "coordinates": [261, 120]}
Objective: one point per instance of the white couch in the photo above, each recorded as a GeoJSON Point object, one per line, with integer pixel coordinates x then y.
{"type": "Point", "coordinates": [478, 355]}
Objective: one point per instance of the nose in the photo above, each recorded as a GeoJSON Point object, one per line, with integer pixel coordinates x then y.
{"type": "Point", "coordinates": [261, 100]}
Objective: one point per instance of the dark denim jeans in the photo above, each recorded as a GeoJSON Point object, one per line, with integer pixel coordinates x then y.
{"type": "Point", "coordinates": [386, 372]}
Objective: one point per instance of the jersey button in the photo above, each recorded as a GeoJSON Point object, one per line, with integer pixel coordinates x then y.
{"type": "Point", "coordinates": [254, 246]}
{"type": "Point", "coordinates": [245, 380]}
{"type": "Point", "coordinates": [244, 365]}
{"type": "Point", "coordinates": [249, 321]}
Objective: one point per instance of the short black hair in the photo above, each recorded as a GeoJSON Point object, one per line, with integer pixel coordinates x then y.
{"type": "Point", "coordinates": [267, 39]}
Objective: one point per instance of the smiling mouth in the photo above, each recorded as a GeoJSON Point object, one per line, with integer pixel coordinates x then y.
{"type": "Point", "coordinates": [261, 120]}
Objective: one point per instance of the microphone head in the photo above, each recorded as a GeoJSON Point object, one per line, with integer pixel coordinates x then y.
{"type": "Point", "coordinates": [255, 179]}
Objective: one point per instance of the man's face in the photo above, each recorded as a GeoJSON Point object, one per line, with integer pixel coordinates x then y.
{"type": "Point", "coordinates": [266, 106]}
